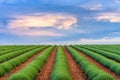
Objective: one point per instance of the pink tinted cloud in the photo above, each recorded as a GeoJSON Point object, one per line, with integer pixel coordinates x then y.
{"type": "Point", "coordinates": [29, 25]}
{"type": "Point", "coordinates": [111, 17]}
{"type": "Point", "coordinates": [47, 20]}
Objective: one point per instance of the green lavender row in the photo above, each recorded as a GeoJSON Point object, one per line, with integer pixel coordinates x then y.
{"type": "Point", "coordinates": [111, 64]}
{"type": "Point", "coordinates": [91, 70]}
{"type": "Point", "coordinates": [61, 69]}
{"type": "Point", "coordinates": [112, 50]}
{"type": "Point", "coordinates": [7, 66]}
{"type": "Point", "coordinates": [13, 49]}
{"type": "Point", "coordinates": [30, 72]}
{"type": "Point", "coordinates": [10, 47]}
{"type": "Point", "coordinates": [104, 53]}
{"type": "Point", "coordinates": [11, 55]}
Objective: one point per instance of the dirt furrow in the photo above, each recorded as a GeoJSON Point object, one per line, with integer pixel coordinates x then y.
{"type": "Point", "coordinates": [48, 67]}
{"type": "Point", "coordinates": [99, 65]}
{"type": "Point", "coordinates": [21, 66]}
{"type": "Point", "coordinates": [75, 70]}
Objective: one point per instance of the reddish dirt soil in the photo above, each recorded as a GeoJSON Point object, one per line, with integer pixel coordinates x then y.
{"type": "Point", "coordinates": [99, 65]}
{"type": "Point", "coordinates": [48, 67]}
{"type": "Point", "coordinates": [21, 66]}
{"type": "Point", "coordinates": [75, 70]}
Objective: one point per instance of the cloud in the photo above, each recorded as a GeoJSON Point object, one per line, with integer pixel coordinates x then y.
{"type": "Point", "coordinates": [31, 25]}
{"type": "Point", "coordinates": [111, 17]}
{"type": "Point", "coordinates": [42, 21]}
{"type": "Point", "coordinates": [105, 40]}
{"type": "Point", "coordinates": [94, 7]}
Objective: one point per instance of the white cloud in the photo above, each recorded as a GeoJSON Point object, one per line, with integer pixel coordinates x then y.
{"type": "Point", "coordinates": [111, 17]}
{"type": "Point", "coordinates": [105, 40]}
{"type": "Point", "coordinates": [94, 7]}
{"type": "Point", "coordinates": [43, 20]}
{"type": "Point", "coordinates": [31, 25]}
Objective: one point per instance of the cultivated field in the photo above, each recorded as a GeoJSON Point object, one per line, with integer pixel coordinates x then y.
{"type": "Point", "coordinates": [48, 62]}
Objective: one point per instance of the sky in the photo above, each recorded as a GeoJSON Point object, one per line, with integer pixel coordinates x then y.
{"type": "Point", "coordinates": [59, 22]}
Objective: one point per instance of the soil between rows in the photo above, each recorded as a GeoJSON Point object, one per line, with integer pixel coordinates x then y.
{"type": "Point", "coordinates": [48, 67]}
{"type": "Point", "coordinates": [117, 77]}
{"type": "Point", "coordinates": [75, 70]}
{"type": "Point", "coordinates": [21, 66]}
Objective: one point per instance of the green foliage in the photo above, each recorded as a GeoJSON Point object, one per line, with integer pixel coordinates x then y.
{"type": "Point", "coordinates": [109, 48]}
{"type": "Point", "coordinates": [12, 63]}
{"type": "Point", "coordinates": [39, 67]}
{"type": "Point", "coordinates": [34, 67]}
{"type": "Point", "coordinates": [7, 67]}
{"type": "Point", "coordinates": [1, 71]}
{"type": "Point", "coordinates": [102, 77]}
{"type": "Point", "coordinates": [111, 64]}
{"type": "Point", "coordinates": [9, 49]}
{"type": "Point", "coordinates": [30, 71]}
{"type": "Point", "coordinates": [90, 69]}
{"type": "Point", "coordinates": [20, 76]}
{"type": "Point", "coordinates": [107, 54]}
{"type": "Point", "coordinates": [13, 54]}
{"type": "Point", "coordinates": [61, 69]}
